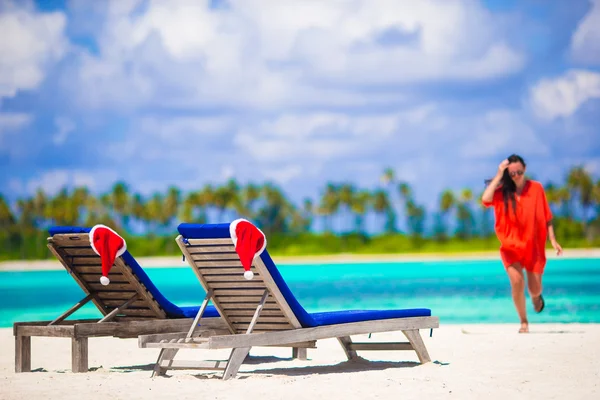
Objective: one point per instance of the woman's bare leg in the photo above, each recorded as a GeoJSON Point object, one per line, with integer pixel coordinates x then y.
{"type": "Point", "coordinates": [534, 284]}
{"type": "Point", "coordinates": [517, 283]}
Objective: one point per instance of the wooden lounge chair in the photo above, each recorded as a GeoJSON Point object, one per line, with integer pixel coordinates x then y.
{"type": "Point", "coordinates": [264, 312]}
{"type": "Point", "coordinates": [130, 304]}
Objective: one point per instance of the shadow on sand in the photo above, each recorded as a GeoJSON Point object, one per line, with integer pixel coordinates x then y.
{"type": "Point", "coordinates": [340, 368]}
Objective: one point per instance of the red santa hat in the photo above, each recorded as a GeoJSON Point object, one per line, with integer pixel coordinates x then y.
{"type": "Point", "coordinates": [108, 245]}
{"type": "Point", "coordinates": [249, 242]}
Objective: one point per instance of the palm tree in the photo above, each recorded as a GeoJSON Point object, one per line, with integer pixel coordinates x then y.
{"type": "Point", "coordinates": [346, 198]}
{"type": "Point", "coordinates": [307, 214]}
{"type": "Point", "coordinates": [552, 194]}
{"type": "Point", "coordinates": [154, 212]}
{"type": "Point", "coordinates": [329, 206]}
{"type": "Point", "coordinates": [447, 202]}
{"type": "Point", "coordinates": [359, 206]}
{"type": "Point", "coordinates": [250, 196]}
{"type": "Point", "coordinates": [581, 182]}
{"type": "Point", "coordinates": [381, 204]}
{"type": "Point", "coordinates": [464, 214]}
{"type": "Point", "coordinates": [416, 220]}
{"type": "Point", "coordinates": [119, 203]}
{"type": "Point", "coordinates": [7, 219]}
{"type": "Point", "coordinates": [388, 179]}
{"type": "Point", "coordinates": [277, 212]}
{"type": "Point", "coordinates": [170, 206]}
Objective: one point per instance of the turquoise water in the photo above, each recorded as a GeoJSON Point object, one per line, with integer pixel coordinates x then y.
{"type": "Point", "coordinates": [471, 291]}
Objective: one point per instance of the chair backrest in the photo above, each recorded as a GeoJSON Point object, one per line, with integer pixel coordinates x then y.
{"type": "Point", "coordinates": [219, 269]}
{"type": "Point", "coordinates": [74, 252]}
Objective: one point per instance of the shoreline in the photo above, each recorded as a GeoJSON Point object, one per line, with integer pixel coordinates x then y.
{"type": "Point", "coordinates": [342, 258]}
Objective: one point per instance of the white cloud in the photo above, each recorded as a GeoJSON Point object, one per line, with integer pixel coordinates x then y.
{"type": "Point", "coordinates": [283, 175]}
{"type": "Point", "coordinates": [52, 181]}
{"type": "Point", "coordinates": [278, 53]}
{"type": "Point", "coordinates": [585, 42]}
{"type": "Point", "coordinates": [11, 123]}
{"type": "Point", "coordinates": [563, 96]}
{"type": "Point", "coordinates": [64, 127]}
{"type": "Point", "coordinates": [501, 132]}
{"type": "Point", "coordinates": [29, 43]}
{"type": "Point", "coordinates": [320, 136]}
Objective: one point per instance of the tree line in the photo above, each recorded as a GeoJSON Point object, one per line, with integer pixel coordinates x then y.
{"type": "Point", "coordinates": [386, 218]}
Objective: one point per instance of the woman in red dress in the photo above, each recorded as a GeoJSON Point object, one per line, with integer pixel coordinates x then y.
{"type": "Point", "coordinates": [523, 224]}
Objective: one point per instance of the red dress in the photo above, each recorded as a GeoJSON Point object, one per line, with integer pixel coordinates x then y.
{"type": "Point", "coordinates": [523, 236]}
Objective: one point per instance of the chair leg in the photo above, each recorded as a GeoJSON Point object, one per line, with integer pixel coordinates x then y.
{"type": "Point", "coordinates": [300, 353]}
{"type": "Point", "coordinates": [164, 355]}
{"type": "Point", "coordinates": [22, 353]}
{"type": "Point", "coordinates": [235, 362]}
{"type": "Point", "coordinates": [346, 343]}
{"type": "Point", "coordinates": [79, 354]}
{"type": "Point", "coordinates": [415, 339]}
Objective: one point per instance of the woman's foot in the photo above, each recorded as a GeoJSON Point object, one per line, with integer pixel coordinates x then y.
{"type": "Point", "coordinates": [539, 304]}
{"type": "Point", "coordinates": [524, 327]}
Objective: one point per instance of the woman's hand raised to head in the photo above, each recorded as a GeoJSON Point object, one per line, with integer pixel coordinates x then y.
{"type": "Point", "coordinates": [503, 165]}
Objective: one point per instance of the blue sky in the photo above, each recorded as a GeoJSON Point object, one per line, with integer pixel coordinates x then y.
{"type": "Point", "coordinates": [299, 93]}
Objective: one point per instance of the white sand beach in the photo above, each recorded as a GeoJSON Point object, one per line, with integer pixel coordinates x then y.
{"type": "Point", "coordinates": [176, 260]}
{"type": "Point", "coordinates": [554, 361]}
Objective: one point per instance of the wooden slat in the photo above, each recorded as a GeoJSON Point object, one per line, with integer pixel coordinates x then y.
{"type": "Point", "coordinates": [212, 249]}
{"type": "Point", "coordinates": [226, 270]}
{"type": "Point", "coordinates": [50, 331]}
{"type": "Point", "coordinates": [381, 346]}
{"type": "Point", "coordinates": [72, 240]}
{"type": "Point", "coordinates": [92, 261]}
{"type": "Point", "coordinates": [118, 302]}
{"type": "Point", "coordinates": [203, 242]}
{"type": "Point", "coordinates": [225, 257]}
{"type": "Point", "coordinates": [239, 277]}
{"type": "Point", "coordinates": [249, 312]}
{"type": "Point", "coordinates": [240, 285]}
{"type": "Point", "coordinates": [170, 345]}
{"type": "Point", "coordinates": [262, 319]}
{"type": "Point", "coordinates": [324, 332]}
{"type": "Point", "coordinates": [262, 326]}
{"type": "Point", "coordinates": [114, 278]}
{"type": "Point", "coordinates": [115, 295]}
{"type": "Point", "coordinates": [243, 306]}
{"type": "Point", "coordinates": [204, 365]}
{"type": "Point", "coordinates": [112, 287]}
{"type": "Point", "coordinates": [137, 312]}
{"type": "Point", "coordinates": [241, 299]}
{"type": "Point", "coordinates": [79, 251]}
{"type": "Point", "coordinates": [219, 263]}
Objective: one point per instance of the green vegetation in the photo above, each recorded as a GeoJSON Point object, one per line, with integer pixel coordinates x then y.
{"type": "Point", "coordinates": [148, 224]}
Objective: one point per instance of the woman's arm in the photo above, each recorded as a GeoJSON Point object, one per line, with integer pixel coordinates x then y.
{"type": "Point", "coordinates": [488, 193]}
{"type": "Point", "coordinates": [552, 239]}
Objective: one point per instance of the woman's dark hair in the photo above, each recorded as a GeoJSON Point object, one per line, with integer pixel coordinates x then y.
{"type": "Point", "coordinates": [508, 186]}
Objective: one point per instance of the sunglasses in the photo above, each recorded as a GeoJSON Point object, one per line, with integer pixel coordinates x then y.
{"type": "Point", "coordinates": [513, 174]}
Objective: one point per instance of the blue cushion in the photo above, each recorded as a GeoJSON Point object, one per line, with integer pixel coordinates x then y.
{"type": "Point", "coordinates": [217, 231]}
{"type": "Point", "coordinates": [346, 316]}
{"type": "Point", "coordinates": [172, 310]}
